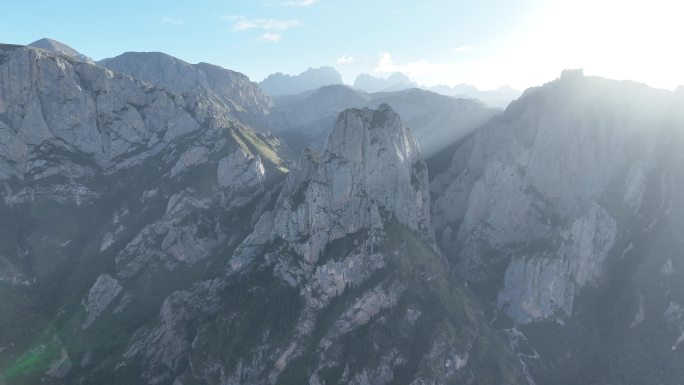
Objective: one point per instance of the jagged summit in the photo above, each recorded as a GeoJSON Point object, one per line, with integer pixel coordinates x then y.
{"type": "Point", "coordinates": [572, 73]}
{"type": "Point", "coordinates": [370, 168]}
{"type": "Point", "coordinates": [59, 47]}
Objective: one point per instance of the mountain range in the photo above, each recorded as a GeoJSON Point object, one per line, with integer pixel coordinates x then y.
{"type": "Point", "coordinates": [172, 223]}
{"type": "Point", "coordinates": [279, 85]}
{"type": "Point", "coordinates": [307, 119]}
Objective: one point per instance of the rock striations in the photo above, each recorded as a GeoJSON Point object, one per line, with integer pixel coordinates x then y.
{"type": "Point", "coordinates": [371, 167]}
{"type": "Point", "coordinates": [311, 79]}
{"type": "Point", "coordinates": [337, 259]}
{"type": "Point", "coordinates": [109, 185]}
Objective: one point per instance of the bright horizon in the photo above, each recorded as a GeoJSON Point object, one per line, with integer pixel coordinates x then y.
{"type": "Point", "coordinates": [487, 44]}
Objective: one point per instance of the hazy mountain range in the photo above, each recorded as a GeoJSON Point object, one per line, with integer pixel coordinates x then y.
{"type": "Point", "coordinates": [394, 82]}
{"type": "Point", "coordinates": [282, 84]}
{"type": "Point", "coordinates": [162, 226]}
{"type": "Point", "coordinates": [279, 85]}
{"type": "Point", "coordinates": [436, 120]}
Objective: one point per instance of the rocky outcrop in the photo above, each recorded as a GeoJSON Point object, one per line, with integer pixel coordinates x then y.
{"type": "Point", "coordinates": [103, 292]}
{"type": "Point", "coordinates": [394, 82]}
{"type": "Point", "coordinates": [497, 98]}
{"type": "Point", "coordinates": [370, 169]}
{"type": "Point", "coordinates": [49, 104]}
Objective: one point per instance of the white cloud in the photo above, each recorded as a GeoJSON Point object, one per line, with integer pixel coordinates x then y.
{"type": "Point", "coordinates": [270, 37]}
{"type": "Point", "coordinates": [464, 48]}
{"type": "Point", "coordinates": [171, 20]}
{"type": "Point", "coordinates": [298, 3]}
{"type": "Point", "coordinates": [241, 23]}
{"type": "Point", "coordinates": [420, 68]}
{"type": "Point", "coordinates": [346, 59]}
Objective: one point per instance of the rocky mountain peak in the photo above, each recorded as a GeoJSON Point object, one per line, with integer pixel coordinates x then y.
{"type": "Point", "coordinates": [394, 82]}
{"type": "Point", "coordinates": [244, 98]}
{"type": "Point", "coordinates": [372, 168]}
{"type": "Point", "coordinates": [61, 48]}
{"type": "Point", "coordinates": [312, 78]}
{"type": "Point", "coordinates": [357, 127]}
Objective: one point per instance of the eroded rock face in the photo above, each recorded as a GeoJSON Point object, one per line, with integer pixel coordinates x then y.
{"type": "Point", "coordinates": [103, 292]}
{"type": "Point", "coordinates": [50, 104]}
{"type": "Point", "coordinates": [243, 97]}
{"type": "Point", "coordinates": [563, 211]}
{"type": "Point", "coordinates": [312, 78]}
{"type": "Point", "coordinates": [327, 268]}
{"type": "Point", "coordinates": [371, 167]}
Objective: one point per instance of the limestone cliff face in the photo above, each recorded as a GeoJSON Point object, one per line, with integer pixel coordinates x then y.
{"type": "Point", "coordinates": [312, 78]}
{"type": "Point", "coordinates": [372, 166]}
{"type": "Point", "coordinates": [244, 98]}
{"type": "Point", "coordinates": [100, 169]}
{"type": "Point", "coordinates": [47, 101]}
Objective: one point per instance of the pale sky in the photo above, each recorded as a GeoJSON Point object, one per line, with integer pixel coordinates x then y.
{"type": "Point", "coordinates": [485, 43]}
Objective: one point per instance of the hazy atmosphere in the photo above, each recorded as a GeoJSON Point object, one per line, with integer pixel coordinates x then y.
{"type": "Point", "coordinates": [329, 192]}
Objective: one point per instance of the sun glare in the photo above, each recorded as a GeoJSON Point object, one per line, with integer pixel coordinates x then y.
{"type": "Point", "coordinates": [619, 39]}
